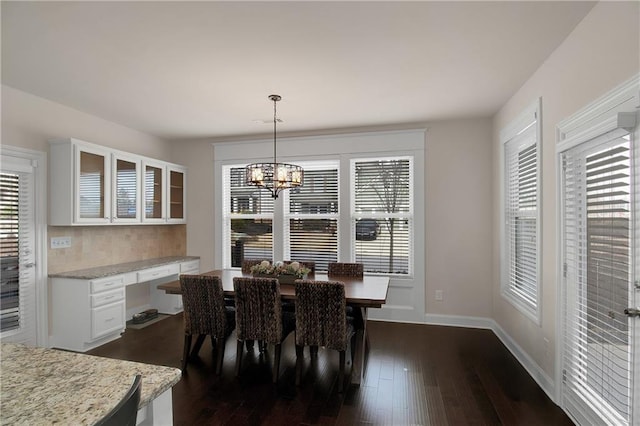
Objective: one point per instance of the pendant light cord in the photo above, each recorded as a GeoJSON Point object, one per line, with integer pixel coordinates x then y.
{"type": "Point", "coordinates": [274, 133]}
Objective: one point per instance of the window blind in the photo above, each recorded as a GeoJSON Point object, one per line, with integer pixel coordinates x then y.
{"type": "Point", "coordinates": [382, 213]}
{"type": "Point", "coordinates": [521, 217]}
{"type": "Point", "coordinates": [597, 244]}
{"type": "Point", "coordinates": [312, 219]}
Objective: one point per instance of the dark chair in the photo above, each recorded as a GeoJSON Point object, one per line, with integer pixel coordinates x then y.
{"type": "Point", "coordinates": [288, 306]}
{"type": "Point", "coordinates": [356, 270]}
{"type": "Point", "coordinates": [321, 320]}
{"type": "Point", "coordinates": [346, 269]}
{"type": "Point", "coordinates": [126, 412]}
{"type": "Point", "coordinates": [248, 263]}
{"type": "Point", "coordinates": [259, 317]}
{"type": "Point", "coordinates": [205, 314]}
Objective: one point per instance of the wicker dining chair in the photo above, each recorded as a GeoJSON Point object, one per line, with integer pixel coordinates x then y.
{"type": "Point", "coordinates": [321, 320]}
{"type": "Point", "coordinates": [205, 314]}
{"type": "Point", "coordinates": [259, 317]}
{"type": "Point", "coordinates": [346, 269]}
{"type": "Point", "coordinates": [356, 270]}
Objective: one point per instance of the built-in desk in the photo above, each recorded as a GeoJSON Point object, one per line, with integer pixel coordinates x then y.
{"type": "Point", "coordinates": [47, 386]}
{"type": "Point", "coordinates": [89, 305]}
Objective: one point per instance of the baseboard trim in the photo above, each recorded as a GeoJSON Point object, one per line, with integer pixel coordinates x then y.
{"type": "Point", "coordinates": [535, 371]}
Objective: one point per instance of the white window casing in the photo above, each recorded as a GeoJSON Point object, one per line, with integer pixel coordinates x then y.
{"type": "Point", "coordinates": [520, 212]}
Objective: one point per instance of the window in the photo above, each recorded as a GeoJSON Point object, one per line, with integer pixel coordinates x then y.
{"type": "Point", "coordinates": [307, 225]}
{"type": "Point", "coordinates": [382, 212]}
{"type": "Point", "coordinates": [311, 224]}
{"type": "Point", "coordinates": [248, 217]}
{"type": "Point", "coordinates": [520, 269]}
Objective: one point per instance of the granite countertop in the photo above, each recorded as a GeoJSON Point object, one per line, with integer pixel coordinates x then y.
{"type": "Point", "coordinates": [48, 386]}
{"type": "Point", "coordinates": [121, 268]}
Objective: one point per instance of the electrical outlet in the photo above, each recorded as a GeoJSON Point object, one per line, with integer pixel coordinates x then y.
{"type": "Point", "coordinates": [60, 242]}
{"type": "Point", "coordinates": [439, 296]}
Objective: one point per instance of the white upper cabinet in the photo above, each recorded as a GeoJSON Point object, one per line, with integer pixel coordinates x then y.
{"type": "Point", "coordinates": [94, 185]}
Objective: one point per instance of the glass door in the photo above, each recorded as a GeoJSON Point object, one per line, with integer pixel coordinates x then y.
{"type": "Point", "coordinates": [92, 186]}
{"type": "Point", "coordinates": [177, 195]}
{"type": "Point", "coordinates": [153, 192]}
{"type": "Point", "coordinates": [599, 242]}
{"type": "Point", "coordinates": [18, 313]}
{"type": "Point", "coordinates": [126, 184]}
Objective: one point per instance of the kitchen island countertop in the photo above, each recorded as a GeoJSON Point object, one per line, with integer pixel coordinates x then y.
{"type": "Point", "coordinates": [50, 386]}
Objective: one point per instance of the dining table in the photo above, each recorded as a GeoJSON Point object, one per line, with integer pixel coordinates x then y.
{"type": "Point", "coordinates": [369, 291]}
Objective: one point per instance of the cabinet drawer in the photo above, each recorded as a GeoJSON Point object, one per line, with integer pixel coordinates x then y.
{"type": "Point", "coordinates": [109, 283]}
{"type": "Point", "coordinates": [191, 267]}
{"type": "Point", "coordinates": [107, 319]}
{"type": "Point", "coordinates": [158, 272]}
{"type": "Point", "coordinates": [107, 297]}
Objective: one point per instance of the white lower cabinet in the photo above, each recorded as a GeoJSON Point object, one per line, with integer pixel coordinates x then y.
{"type": "Point", "coordinates": [107, 320]}
{"type": "Point", "coordinates": [89, 313]}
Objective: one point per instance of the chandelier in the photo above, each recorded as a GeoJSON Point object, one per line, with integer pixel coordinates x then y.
{"type": "Point", "coordinates": [275, 176]}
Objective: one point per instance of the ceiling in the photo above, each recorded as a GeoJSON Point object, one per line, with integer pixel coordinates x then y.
{"type": "Point", "coordinates": [181, 70]}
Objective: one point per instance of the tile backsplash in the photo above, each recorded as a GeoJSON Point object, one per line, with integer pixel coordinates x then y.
{"type": "Point", "coordinates": [93, 246]}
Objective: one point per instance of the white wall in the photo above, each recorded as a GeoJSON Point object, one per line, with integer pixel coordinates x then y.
{"type": "Point", "coordinates": [458, 206]}
{"type": "Point", "coordinates": [29, 121]}
{"type": "Point", "coordinates": [601, 52]}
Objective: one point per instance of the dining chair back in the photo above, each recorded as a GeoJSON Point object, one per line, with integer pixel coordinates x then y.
{"type": "Point", "coordinates": [321, 320]}
{"type": "Point", "coordinates": [247, 264]}
{"type": "Point", "coordinates": [205, 314]}
{"type": "Point", "coordinates": [356, 270]}
{"type": "Point", "coordinates": [259, 316]}
{"type": "Point", "coordinates": [346, 269]}
{"type": "Point", "coordinates": [126, 412]}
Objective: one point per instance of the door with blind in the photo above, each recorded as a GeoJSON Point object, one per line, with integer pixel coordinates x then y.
{"type": "Point", "coordinates": [599, 231]}
{"type": "Point", "coordinates": [17, 251]}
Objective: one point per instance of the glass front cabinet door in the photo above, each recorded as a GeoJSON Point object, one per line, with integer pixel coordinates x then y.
{"type": "Point", "coordinates": [153, 192]}
{"type": "Point", "coordinates": [177, 194]}
{"type": "Point", "coordinates": [92, 203]}
{"type": "Point", "coordinates": [126, 189]}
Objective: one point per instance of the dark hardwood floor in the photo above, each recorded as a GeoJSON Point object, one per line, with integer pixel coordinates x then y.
{"type": "Point", "coordinates": [416, 375]}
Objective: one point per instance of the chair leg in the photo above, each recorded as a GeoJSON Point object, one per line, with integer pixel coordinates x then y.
{"type": "Point", "coordinates": [341, 374]}
{"type": "Point", "coordinates": [239, 357]}
{"type": "Point", "coordinates": [276, 362]}
{"type": "Point", "coordinates": [198, 344]}
{"type": "Point", "coordinates": [185, 351]}
{"type": "Point", "coordinates": [220, 343]}
{"type": "Point", "coordinates": [313, 351]}
{"type": "Point", "coordinates": [299, 359]}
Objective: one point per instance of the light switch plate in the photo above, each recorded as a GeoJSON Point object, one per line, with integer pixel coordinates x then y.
{"type": "Point", "coordinates": [60, 242]}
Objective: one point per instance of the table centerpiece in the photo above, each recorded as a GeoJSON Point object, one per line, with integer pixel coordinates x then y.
{"type": "Point", "coordinates": [286, 273]}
